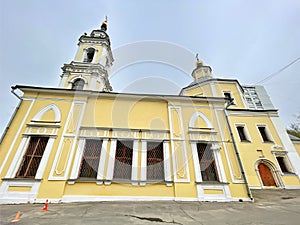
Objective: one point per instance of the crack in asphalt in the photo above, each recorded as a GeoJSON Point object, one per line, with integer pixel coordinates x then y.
{"type": "Point", "coordinates": [153, 219]}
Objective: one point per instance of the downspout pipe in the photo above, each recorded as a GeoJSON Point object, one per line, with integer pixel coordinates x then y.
{"type": "Point", "coordinates": [14, 113]}
{"type": "Point", "coordinates": [229, 103]}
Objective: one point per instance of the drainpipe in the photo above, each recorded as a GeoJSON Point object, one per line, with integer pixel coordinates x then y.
{"type": "Point", "coordinates": [14, 113]}
{"type": "Point", "coordinates": [236, 149]}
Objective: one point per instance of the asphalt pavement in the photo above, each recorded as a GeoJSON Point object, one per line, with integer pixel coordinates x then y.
{"type": "Point", "coordinates": [271, 207]}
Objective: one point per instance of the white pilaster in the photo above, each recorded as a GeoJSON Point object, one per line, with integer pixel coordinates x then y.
{"type": "Point", "coordinates": [77, 160]}
{"type": "Point", "coordinates": [43, 163]}
{"type": "Point", "coordinates": [167, 162]}
{"type": "Point", "coordinates": [111, 161]}
{"type": "Point", "coordinates": [287, 144]}
{"type": "Point", "coordinates": [135, 162]}
{"type": "Point", "coordinates": [14, 166]}
{"type": "Point", "coordinates": [197, 169]}
{"type": "Point", "coordinates": [143, 163]}
{"type": "Point", "coordinates": [101, 167]}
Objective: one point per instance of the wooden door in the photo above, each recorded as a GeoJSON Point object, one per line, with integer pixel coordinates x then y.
{"type": "Point", "coordinates": [266, 175]}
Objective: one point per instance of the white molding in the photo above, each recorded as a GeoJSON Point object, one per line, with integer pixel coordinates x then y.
{"type": "Point", "coordinates": [61, 144]}
{"type": "Point", "coordinates": [246, 132]}
{"type": "Point", "coordinates": [197, 168]}
{"type": "Point", "coordinates": [292, 187]}
{"type": "Point", "coordinates": [83, 198]}
{"type": "Point", "coordinates": [287, 144]}
{"type": "Point", "coordinates": [135, 162]}
{"type": "Point", "coordinates": [182, 139]}
{"type": "Point", "coordinates": [78, 159]}
{"type": "Point", "coordinates": [267, 131]}
{"type": "Point", "coordinates": [143, 175]}
{"type": "Point", "coordinates": [202, 116]}
{"type": "Point", "coordinates": [167, 161]}
{"type": "Point", "coordinates": [44, 160]}
{"type": "Point", "coordinates": [111, 160]}
{"type": "Point", "coordinates": [101, 167]}
{"type": "Point", "coordinates": [12, 145]}
{"type": "Point", "coordinates": [18, 157]}
{"type": "Point", "coordinates": [219, 163]}
{"type": "Point", "coordinates": [226, 196]}
{"type": "Point", "coordinates": [18, 196]}
{"type": "Point", "coordinates": [47, 108]}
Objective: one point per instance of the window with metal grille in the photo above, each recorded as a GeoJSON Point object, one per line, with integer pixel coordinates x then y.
{"type": "Point", "coordinates": [123, 160]}
{"type": "Point", "coordinates": [90, 159]}
{"type": "Point", "coordinates": [242, 133]}
{"type": "Point", "coordinates": [32, 157]}
{"type": "Point", "coordinates": [155, 161]}
{"type": "Point", "coordinates": [207, 162]}
{"type": "Point", "coordinates": [263, 133]}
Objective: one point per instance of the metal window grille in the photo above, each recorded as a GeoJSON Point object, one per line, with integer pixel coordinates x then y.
{"type": "Point", "coordinates": [90, 158]}
{"type": "Point", "coordinates": [32, 157]}
{"type": "Point", "coordinates": [155, 161]}
{"type": "Point", "coordinates": [123, 160]}
{"type": "Point", "coordinates": [207, 162]}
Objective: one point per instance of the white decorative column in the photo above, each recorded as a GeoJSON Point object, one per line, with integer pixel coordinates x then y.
{"type": "Point", "coordinates": [135, 163]}
{"type": "Point", "coordinates": [100, 173]}
{"type": "Point", "coordinates": [77, 160]}
{"type": "Point", "coordinates": [143, 163]}
{"type": "Point", "coordinates": [167, 163]}
{"type": "Point", "coordinates": [111, 161]}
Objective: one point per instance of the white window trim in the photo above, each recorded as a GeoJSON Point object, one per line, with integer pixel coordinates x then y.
{"type": "Point", "coordinates": [287, 163]}
{"type": "Point", "coordinates": [246, 132]}
{"type": "Point", "coordinates": [268, 133]}
{"type": "Point", "coordinates": [218, 161]}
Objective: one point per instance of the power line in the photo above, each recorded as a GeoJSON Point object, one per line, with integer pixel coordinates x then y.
{"type": "Point", "coordinates": [276, 73]}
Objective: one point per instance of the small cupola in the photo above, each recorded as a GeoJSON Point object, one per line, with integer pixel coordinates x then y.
{"type": "Point", "coordinates": [201, 71]}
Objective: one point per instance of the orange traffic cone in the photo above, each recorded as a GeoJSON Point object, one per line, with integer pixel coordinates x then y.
{"type": "Point", "coordinates": [45, 208]}
{"type": "Point", "coordinates": [17, 217]}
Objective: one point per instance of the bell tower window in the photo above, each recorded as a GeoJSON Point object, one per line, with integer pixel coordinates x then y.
{"type": "Point", "coordinates": [90, 53]}
{"type": "Point", "coordinates": [78, 84]}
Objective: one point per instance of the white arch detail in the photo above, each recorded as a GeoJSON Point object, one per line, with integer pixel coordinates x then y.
{"type": "Point", "coordinates": [47, 108]}
{"type": "Point", "coordinates": [202, 116]}
{"type": "Point", "coordinates": [78, 77]}
{"type": "Point", "coordinates": [274, 170]}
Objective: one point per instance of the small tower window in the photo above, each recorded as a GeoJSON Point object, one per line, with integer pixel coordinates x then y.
{"type": "Point", "coordinates": [90, 52]}
{"type": "Point", "coordinates": [78, 84]}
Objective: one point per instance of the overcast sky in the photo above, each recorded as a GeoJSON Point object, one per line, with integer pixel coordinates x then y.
{"type": "Point", "coordinates": [244, 40]}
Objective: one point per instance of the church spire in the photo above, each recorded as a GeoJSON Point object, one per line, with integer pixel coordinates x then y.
{"type": "Point", "coordinates": [90, 67]}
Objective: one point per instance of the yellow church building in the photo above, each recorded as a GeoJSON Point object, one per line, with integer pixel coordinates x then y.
{"type": "Point", "coordinates": [214, 141]}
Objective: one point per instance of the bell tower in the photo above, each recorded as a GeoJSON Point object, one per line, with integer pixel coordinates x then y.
{"type": "Point", "coordinates": [90, 68]}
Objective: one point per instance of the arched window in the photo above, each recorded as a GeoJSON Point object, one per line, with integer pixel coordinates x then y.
{"type": "Point", "coordinates": [78, 84]}
{"type": "Point", "coordinates": [90, 52]}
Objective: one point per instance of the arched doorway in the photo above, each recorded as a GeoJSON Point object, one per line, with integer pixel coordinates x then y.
{"type": "Point", "coordinates": [266, 175]}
